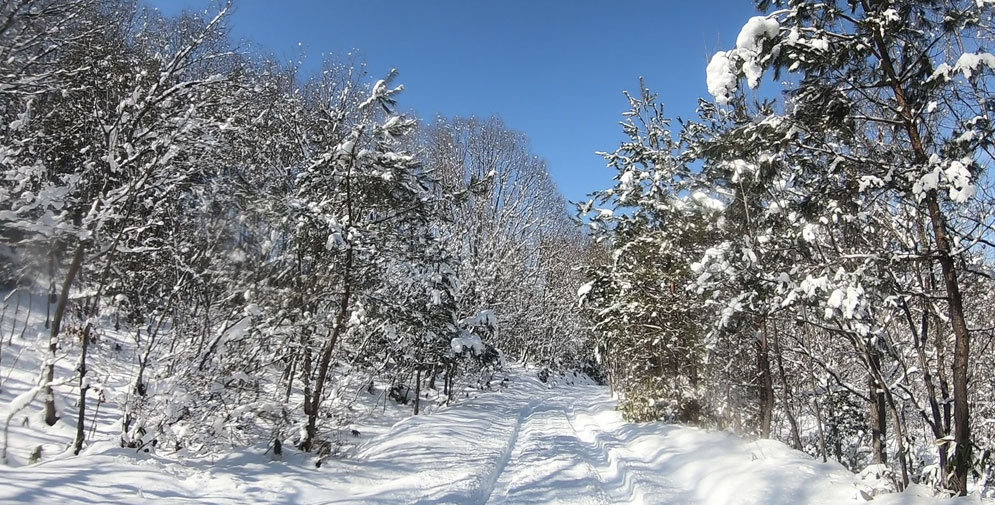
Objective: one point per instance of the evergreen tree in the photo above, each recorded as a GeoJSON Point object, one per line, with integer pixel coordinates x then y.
{"type": "Point", "coordinates": [878, 107]}
{"type": "Point", "coordinates": [654, 222]}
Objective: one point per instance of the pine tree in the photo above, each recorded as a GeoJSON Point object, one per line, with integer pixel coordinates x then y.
{"type": "Point", "coordinates": [654, 222]}
{"type": "Point", "coordinates": [881, 111]}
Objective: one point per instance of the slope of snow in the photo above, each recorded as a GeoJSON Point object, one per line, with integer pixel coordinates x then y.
{"type": "Point", "coordinates": [528, 443]}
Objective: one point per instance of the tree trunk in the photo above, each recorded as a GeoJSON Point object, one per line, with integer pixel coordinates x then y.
{"type": "Point", "coordinates": [955, 307]}
{"type": "Point", "coordinates": [84, 386]}
{"type": "Point", "coordinates": [878, 414]}
{"type": "Point", "coordinates": [311, 407]}
{"type": "Point", "coordinates": [796, 440]}
{"type": "Point", "coordinates": [60, 310]}
{"type": "Point", "coordinates": [435, 372]}
{"type": "Point", "coordinates": [445, 380]}
{"type": "Point", "coordinates": [452, 382]}
{"type": "Point", "coordinates": [888, 401]}
{"type": "Point", "coordinates": [13, 322]}
{"type": "Point", "coordinates": [307, 364]}
{"type": "Point", "coordinates": [820, 429]}
{"type": "Point", "coordinates": [766, 383]}
{"type": "Point", "coordinates": [955, 303]}
{"type": "Point", "coordinates": [417, 389]}
{"type": "Point", "coordinates": [27, 317]}
{"type": "Point", "coordinates": [899, 440]}
{"type": "Point", "coordinates": [51, 289]}
{"type": "Point", "coordinates": [919, 336]}
{"type": "Point", "coordinates": [941, 368]}
{"type": "Point", "coordinates": [290, 377]}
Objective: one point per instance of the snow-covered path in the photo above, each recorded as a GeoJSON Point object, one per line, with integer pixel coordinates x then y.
{"type": "Point", "coordinates": [549, 462]}
{"type": "Point", "coordinates": [530, 443]}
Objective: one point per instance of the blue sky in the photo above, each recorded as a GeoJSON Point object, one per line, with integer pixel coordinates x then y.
{"type": "Point", "coordinates": [554, 69]}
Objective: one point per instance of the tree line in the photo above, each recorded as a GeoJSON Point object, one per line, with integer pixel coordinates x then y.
{"type": "Point", "coordinates": [251, 241]}
{"type": "Point", "coordinates": [816, 266]}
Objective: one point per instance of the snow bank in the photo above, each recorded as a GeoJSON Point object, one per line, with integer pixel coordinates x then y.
{"type": "Point", "coordinates": [530, 443]}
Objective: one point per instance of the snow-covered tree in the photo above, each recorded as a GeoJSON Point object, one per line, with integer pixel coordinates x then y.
{"type": "Point", "coordinates": [654, 222]}
{"type": "Point", "coordinates": [827, 247]}
{"type": "Point", "coordinates": [503, 212]}
{"type": "Point", "coordinates": [889, 105]}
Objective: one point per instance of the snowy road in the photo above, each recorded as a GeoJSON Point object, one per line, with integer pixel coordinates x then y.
{"type": "Point", "coordinates": [549, 463]}
{"type": "Point", "coordinates": [528, 444]}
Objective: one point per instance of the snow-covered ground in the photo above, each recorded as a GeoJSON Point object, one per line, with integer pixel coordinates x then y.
{"type": "Point", "coordinates": [528, 443]}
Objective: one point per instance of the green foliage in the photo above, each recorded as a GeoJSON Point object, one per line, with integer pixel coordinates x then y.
{"type": "Point", "coordinates": [660, 398]}
{"type": "Point", "coordinates": [649, 329]}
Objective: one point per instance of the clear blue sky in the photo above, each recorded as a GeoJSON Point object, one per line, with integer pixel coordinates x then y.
{"type": "Point", "coordinates": [554, 69]}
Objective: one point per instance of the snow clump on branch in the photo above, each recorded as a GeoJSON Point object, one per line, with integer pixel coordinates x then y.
{"type": "Point", "coordinates": [723, 71]}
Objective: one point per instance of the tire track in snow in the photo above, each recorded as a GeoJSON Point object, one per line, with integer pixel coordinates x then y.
{"type": "Point", "coordinates": [567, 415]}
{"type": "Point", "coordinates": [487, 489]}
{"type": "Point", "coordinates": [548, 462]}
{"type": "Point", "coordinates": [630, 474]}
{"type": "Point", "coordinates": [466, 447]}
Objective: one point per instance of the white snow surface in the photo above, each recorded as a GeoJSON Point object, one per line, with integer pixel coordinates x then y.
{"type": "Point", "coordinates": [528, 443]}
